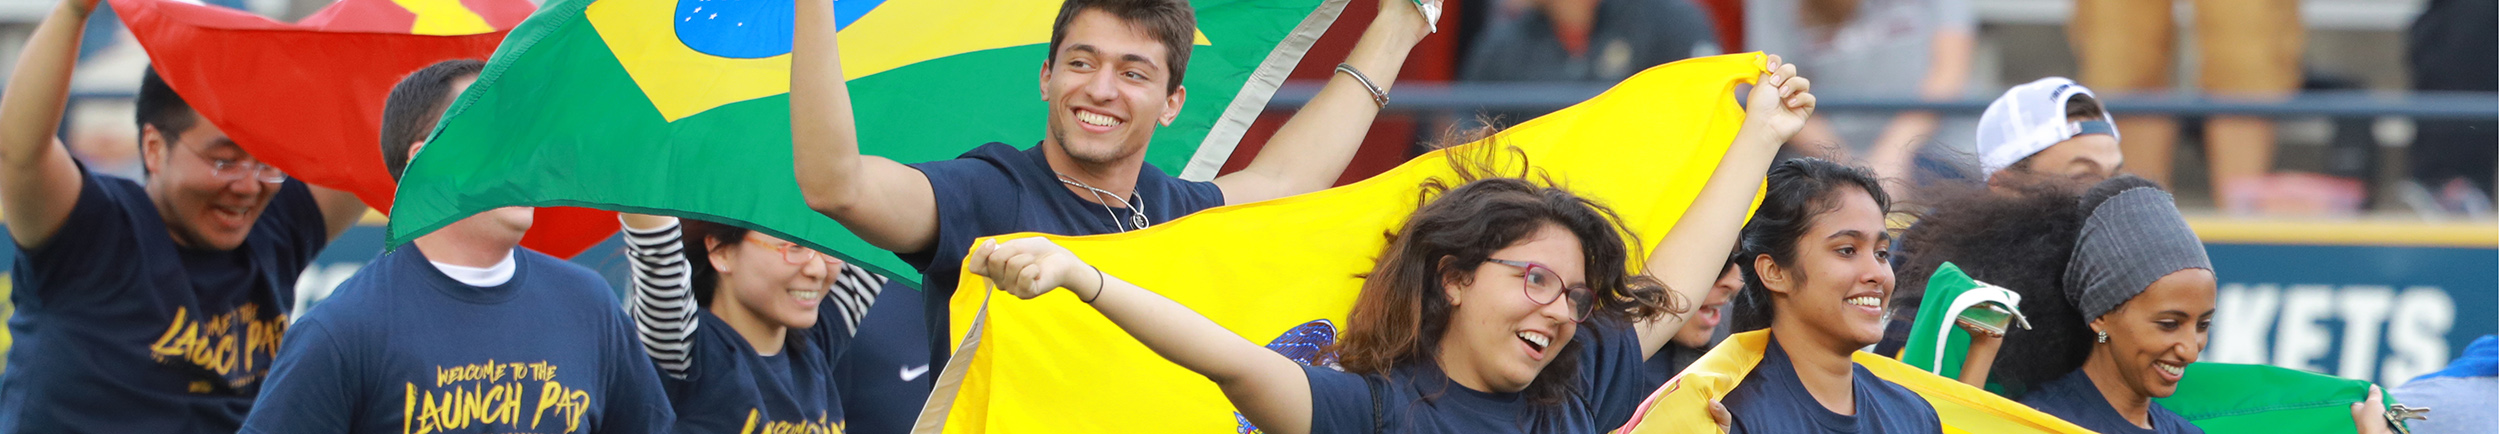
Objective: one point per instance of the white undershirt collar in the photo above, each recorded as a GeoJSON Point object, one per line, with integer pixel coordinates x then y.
{"type": "Point", "coordinates": [479, 277]}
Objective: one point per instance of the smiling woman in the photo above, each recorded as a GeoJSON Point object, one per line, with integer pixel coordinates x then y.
{"type": "Point", "coordinates": [1816, 273]}
{"type": "Point", "coordinates": [2144, 291]}
{"type": "Point", "coordinates": [1502, 301]}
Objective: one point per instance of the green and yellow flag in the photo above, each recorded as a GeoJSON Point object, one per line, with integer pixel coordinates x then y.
{"type": "Point", "coordinates": [681, 107]}
{"type": "Point", "coordinates": [1282, 272]}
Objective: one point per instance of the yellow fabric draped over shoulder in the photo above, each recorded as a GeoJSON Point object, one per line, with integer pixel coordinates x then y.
{"type": "Point", "coordinates": [1682, 405]}
{"type": "Point", "coordinates": [1284, 273]}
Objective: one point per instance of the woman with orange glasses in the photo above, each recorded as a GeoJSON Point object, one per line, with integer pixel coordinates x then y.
{"type": "Point", "coordinates": [735, 320]}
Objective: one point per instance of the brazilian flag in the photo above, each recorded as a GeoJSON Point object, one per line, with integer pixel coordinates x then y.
{"type": "Point", "coordinates": [681, 107]}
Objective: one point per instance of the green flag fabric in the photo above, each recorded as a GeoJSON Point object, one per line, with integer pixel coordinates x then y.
{"type": "Point", "coordinates": [645, 106]}
{"type": "Point", "coordinates": [1935, 344]}
{"type": "Point", "coordinates": [2226, 398]}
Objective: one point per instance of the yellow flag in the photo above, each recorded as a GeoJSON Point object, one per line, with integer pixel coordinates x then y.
{"type": "Point", "coordinates": [1675, 407]}
{"type": "Point", "coordinates": [1283, 272]}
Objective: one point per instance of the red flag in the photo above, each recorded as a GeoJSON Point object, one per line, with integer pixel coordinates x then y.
{"type": "Point", "coordinates": [307, 97]}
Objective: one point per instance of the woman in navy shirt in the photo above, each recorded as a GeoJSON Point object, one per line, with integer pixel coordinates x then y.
{"type": "Point", "coordinates": [745, 328]}
{"type": "Point", "coordinates": [2117, 322]}
{"type": "Point", "coordinates": [1816, 275]}
{"type": "Point", "coordinates": [1501, 305]}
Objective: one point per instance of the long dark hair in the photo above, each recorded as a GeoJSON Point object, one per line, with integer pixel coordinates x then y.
{"type": "Point", "coordinates": [1798, 190]}
{"type": "Point", "coordinates": [1402, 311]}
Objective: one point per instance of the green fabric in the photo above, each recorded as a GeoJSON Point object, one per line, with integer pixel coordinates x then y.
{"type": "Point", "coordinates": [554, 120]}
{"type": "Point", "coordinates": [2226, 398]}
{"type": "Point", "coordinates": [1934, 314]}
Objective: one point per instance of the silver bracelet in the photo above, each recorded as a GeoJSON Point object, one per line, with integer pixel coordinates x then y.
{"type": "Point", "coordinates": [1379, 97]}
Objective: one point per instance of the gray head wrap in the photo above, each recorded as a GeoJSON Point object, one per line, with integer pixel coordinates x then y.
{"type": "Point", "coordinates": [2133, 239]}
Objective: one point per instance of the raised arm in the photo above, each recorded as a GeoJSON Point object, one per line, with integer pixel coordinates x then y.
{"type": "Point", "coordinates": [662, 304]}
{"type": "Point", "coordinates": [1269, 389]}
{"type": "Point", "coordinates": [886, 203]}
{"type": "Point", "coordinates": [1693, 252]}
{"type": "Point", "coordinates": [1312, 149]}
{"type": "Point", "coordinates": [39, 183]}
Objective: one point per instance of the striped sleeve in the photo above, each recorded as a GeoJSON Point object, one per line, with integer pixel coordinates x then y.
{"type": "Point", "coordinates": [853, 291]}
{"type": "Point", "coordinates": [662, 302]}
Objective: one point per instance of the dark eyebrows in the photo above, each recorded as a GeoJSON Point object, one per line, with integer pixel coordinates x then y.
{"type": "Point", "coordinates": [1088, 49]}
{"type": "Point", "coordinates": [1853, 233]}
{"type": "Point", "coordinates": [1137, 59]}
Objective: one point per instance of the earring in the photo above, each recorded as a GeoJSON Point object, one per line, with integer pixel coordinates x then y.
{"type": "Point", "coordinates": [2100, 337]}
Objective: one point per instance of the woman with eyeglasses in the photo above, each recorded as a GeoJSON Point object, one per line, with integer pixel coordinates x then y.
{"type": "Point", "coordinates": [1500, 305]}
{"type": "Point", "coordinates": [745, 328]}
{"type": "Point", "coordinates": [1816, 274]}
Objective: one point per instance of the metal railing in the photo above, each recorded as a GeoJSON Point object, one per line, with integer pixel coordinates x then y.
{"type": "Point", "coordinates": [1435, 97]}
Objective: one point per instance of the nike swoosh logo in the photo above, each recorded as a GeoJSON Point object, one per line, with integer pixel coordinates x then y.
{"type": "Point", "coordinates": [914, 373]}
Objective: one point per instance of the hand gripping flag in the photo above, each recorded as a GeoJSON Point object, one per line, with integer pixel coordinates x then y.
{"type": "Point", "coordinates": [681, 107]}
{"type": "Point", "coordinates": [1681, 406]}
{"type": "Point", "coordinates": [307, 97]}
{"type": "Point", "coordinates": [1282, 272]}
{"type": "Point", "coordinates": [2227, 398]}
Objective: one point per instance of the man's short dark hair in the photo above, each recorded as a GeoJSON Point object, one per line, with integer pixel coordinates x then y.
{"type": "Point", "coordinates": [2083, 108]}
{"type": "Point", "coordinates": [1171, 21]}
{"type": "Point", "coordinates": [415, 104]}
{"type": "Point", "coordinates": [161, 107]}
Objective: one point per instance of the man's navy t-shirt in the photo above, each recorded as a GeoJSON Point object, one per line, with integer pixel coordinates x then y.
{"type": "Point", "coordinates": [997, 190]}
{"type": "Point", "coordinates": [1669, 361]}
{"type": "Point", "coordinates": [402, 347]}
{"type": "Point", "coordinates": [730, 388]}
{"type": "Point", "coordinates": [1420, 399]}
{"type": "Point", "coordinates": [1772, 400]}
{"type": "Point", "coordinates": [119, 330]}
{"type": "Point", "coordinates": [887, 373]}
{"type": "Point", "coordinates": [2075, 399]}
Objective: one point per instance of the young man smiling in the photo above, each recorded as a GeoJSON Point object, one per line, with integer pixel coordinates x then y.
{"type": "Point", "coordinates": [151, 306]}
{"type": "Point", "coordinates": [1113, 75]}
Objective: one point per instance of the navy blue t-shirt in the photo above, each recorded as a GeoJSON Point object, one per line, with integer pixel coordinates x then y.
{"type": "Point", "coordinates": [1772, 400]}
{"type": "Point", "coordinates": [401, 347]}
{"type": "Point", "coordinates": [996, 190]}
{"type": "Point", "coordinates": [1420, 399]}
{"type": "Point", "coordinates": [2074, 399]}
{"type": "Point", "coordinates": [887, 372]}
{"type": "Point", "coordinates": [1667, 362]}
{"type": "Point", "coordinates": [730, 388]}
{"type": "Point", "coordinates": [119, 330]}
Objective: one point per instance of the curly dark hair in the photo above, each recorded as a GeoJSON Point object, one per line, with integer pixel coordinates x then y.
{"type": "Point", "coordinates": [2019, 240]}
{"type": "Point", "coordinates": [1401, 314]}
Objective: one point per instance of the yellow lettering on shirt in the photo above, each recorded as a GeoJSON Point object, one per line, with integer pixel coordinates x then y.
{"type": "Point", "coordinates": [226, 344]}
{"type": "Point", "coordinates": [824, 424]}
{"type": "Point", "coordinates": [491, 395]}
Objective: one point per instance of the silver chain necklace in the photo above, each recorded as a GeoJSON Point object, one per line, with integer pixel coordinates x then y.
{"type": "Point", "coordinates": [1137, 215]}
